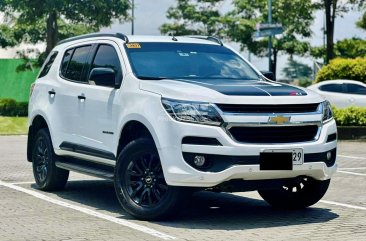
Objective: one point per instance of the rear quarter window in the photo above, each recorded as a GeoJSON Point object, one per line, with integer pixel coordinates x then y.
{"type": "Point", "coordinates": [48, 64]}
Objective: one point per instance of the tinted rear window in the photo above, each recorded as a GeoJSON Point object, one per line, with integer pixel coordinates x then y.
{"type": "Point", "coordinates": [48, 64]}
{"type": "Point", "coordinates": [65, 61]}
{"type": "Point", "coordinates": [76, 64]}
{"type": "Point", "coordinates": [355, 89]}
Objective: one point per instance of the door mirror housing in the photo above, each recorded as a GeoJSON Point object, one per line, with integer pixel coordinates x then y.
{"type": "Point", "coordinates": [269, 75]}
{"type": "Point", "coordinates": [104, 77]}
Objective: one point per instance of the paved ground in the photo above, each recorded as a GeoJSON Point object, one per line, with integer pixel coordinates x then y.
{"type": "Point", "coordinates": [88, 208]}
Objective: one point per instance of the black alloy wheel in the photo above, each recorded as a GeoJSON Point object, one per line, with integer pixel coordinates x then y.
{"type": "Point", "coordinates": [47, 176]}
{"type": "Point", "coordinates": [144, 180]}
{"type": "Point", "coordinates": [140, 184]}
{"type": "Point", "coordinates": [42, 159]}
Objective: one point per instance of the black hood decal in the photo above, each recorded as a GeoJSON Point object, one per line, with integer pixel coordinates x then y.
{"type": "Point", "coordinates": [249, 88]}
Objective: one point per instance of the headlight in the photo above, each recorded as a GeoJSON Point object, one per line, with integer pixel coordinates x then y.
{"type": "Point", "coordinates": [193, 112]}
{"type": "Point", "coordinates": [327, 111]}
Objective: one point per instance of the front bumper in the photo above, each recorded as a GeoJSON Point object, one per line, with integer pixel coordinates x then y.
{"type": "Point", "coordinates": [178, 172]}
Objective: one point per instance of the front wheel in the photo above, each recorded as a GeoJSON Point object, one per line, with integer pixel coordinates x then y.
{"type": "Point", "coordinates": [297, 194]}
{"type": "Point", "coordinates": [140, 184]}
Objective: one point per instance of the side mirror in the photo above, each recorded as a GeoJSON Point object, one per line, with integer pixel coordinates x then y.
{"type": "Point", "coordinates": [268, 75]}
{"type": "Point", "coordinates": [104, 77]}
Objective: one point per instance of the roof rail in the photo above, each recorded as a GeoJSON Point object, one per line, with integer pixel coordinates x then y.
{"type": "Point", "coordinates": [209, 38]}
{"type": "Point", "coordinates": [93, 35]}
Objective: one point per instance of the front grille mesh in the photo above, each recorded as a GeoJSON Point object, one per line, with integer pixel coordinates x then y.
{"type": "Point", "coordinates": [274, 134]}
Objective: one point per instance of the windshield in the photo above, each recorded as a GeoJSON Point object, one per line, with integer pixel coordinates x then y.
{"type": "Point", "coordinates": [187, 61]}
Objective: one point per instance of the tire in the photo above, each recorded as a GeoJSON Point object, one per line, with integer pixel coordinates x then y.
{"type": "Point", "coordinates": [298, 194]}
{"type": "Point", "coordinates": [140, 184]}
{"type": "Point", "coordinates": [47, 176]}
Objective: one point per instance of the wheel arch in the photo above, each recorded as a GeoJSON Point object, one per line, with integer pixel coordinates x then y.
{"type": "Point", "coordinates": [132, 130]}
{"type": "Point", "coordinates": [37, 123]}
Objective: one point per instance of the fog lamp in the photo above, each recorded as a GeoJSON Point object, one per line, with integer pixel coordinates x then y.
{"type": "Point", "coordinates": [329, 155]}
{"type": "Point", "coordinates": [199, 160]}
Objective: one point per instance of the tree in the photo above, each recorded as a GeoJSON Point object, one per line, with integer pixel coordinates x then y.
{"type": "Point", "coordinates": [200, 17]}
{"type": "Point", "coordinates": [204, 17]}
{"type": "Point", "coordinates": [362, 22]}
{"type": "Point", "coordinates": [52, 20]}
{"type": "Point", "coordinates": [6, 37]}
{"type": "Point", "coordinates": [330, 7]}
{"type": "Point", "coordinates": [334, 8]}
{"type": "Point", "coordinates": [296, 16]}
{"type": "Point", "coordinates": [347, 48]}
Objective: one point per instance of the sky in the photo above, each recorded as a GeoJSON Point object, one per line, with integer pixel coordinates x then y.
{"type": "Point", "coordinates": [150, 15]}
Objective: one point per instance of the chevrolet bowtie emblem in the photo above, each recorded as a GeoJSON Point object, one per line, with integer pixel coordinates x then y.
{"type": "Point", "coordinates": [279, 119]}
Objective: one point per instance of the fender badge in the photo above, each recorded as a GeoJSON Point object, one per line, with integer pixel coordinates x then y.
{"type": "Point", "coordinates": [279, 119]}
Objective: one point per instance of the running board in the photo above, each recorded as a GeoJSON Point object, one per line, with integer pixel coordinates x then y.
{"type": "Point", "coordinates": [85, 169]}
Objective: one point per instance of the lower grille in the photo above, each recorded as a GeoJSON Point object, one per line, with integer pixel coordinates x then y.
{"type": "Point", "coordinates": [274, 134]}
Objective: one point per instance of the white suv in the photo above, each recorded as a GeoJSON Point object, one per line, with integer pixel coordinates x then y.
{"type": "Point", "coordinates": [165, 115]}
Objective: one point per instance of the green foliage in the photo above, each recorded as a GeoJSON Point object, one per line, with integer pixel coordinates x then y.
{"type": "Point", "coordinates": [296, 17]}
{"type": "Point", "coordinates": [200, 17]}
{"type": "Point", "coordinates": [204, 17]}
{"type": "Point", "coordinates": [350, 116]}
{"type": "Point", "coordinates": [6, 37]}
{"type": "Point", "coordinates": [362, 22]}
{"type": "Point", "coordinates": [350, 48]}
{"type": "Point", "coordinates": [352, 69]}
{"type": "Point", "coordinates": [9, 107]}
{"type": "Point", "coordinates": [347, 48]}
{"type": "Point", "coordinates": [35, 21]}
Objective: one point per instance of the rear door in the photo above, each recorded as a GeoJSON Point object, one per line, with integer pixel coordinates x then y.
{"type": "Point", "coordinates": [356, 94]}
{"type": "Point", "coordinates": [73, 83]}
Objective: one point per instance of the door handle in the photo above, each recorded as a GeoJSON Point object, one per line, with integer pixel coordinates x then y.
{"type": "Point", "coordinates": [81, 97]}
{"type": "Point", "coordinates": [52, 92]}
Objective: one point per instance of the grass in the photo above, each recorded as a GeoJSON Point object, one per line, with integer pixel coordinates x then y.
{"type": "Point", "coordinates": [13, 125]}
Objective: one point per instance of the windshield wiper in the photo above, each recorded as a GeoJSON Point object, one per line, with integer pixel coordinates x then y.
{"type": "Point", "coordinates": [151, 78]}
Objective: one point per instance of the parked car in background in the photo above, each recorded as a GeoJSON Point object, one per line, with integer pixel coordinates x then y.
{"type": "Point", "coordinates": [342, 93]}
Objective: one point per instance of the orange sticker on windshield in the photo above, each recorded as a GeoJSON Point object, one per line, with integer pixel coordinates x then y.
{"type": "Point", "coordinates": [133, 46]}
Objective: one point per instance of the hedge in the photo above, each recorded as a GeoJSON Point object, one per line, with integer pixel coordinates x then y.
{"type": "Point", "coordinates": [351, 69]}
{"type": "Point", "coordinates": [350, 116]}
{"type": "Point", "coordinates": [9, 107]}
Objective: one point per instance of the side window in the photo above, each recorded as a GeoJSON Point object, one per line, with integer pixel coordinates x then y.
{"type": "Point", "coordinates": [77, 62]}
{"type": "Point", "coordinates": [107, 57]}
{"type": "Point", "coordinates": [332, 88]}
{"type": "Point", "coordinates": [355, 89]}
{"type": "Point", "coordinates": [48, 63]}
{"type": "Point", "coordinates": [65, 61]}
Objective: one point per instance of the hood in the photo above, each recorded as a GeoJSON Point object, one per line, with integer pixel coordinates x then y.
{"type": "Point", "coordinates": [217, 91]}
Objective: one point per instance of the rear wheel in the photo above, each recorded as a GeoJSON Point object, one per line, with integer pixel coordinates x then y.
{"type": "Point", "coordinates": [47, 176]}
{"type": "Point", "coordinates": [140, 184]}
{"type": "Point", "coordinates": [300, 193]}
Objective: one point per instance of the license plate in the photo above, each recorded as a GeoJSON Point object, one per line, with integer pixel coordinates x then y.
{"type": "Point", "coordinates": [281, 159]}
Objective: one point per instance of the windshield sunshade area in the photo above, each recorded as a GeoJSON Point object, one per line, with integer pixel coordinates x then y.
{"type": "Point", "coordinates": [188, 61]}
